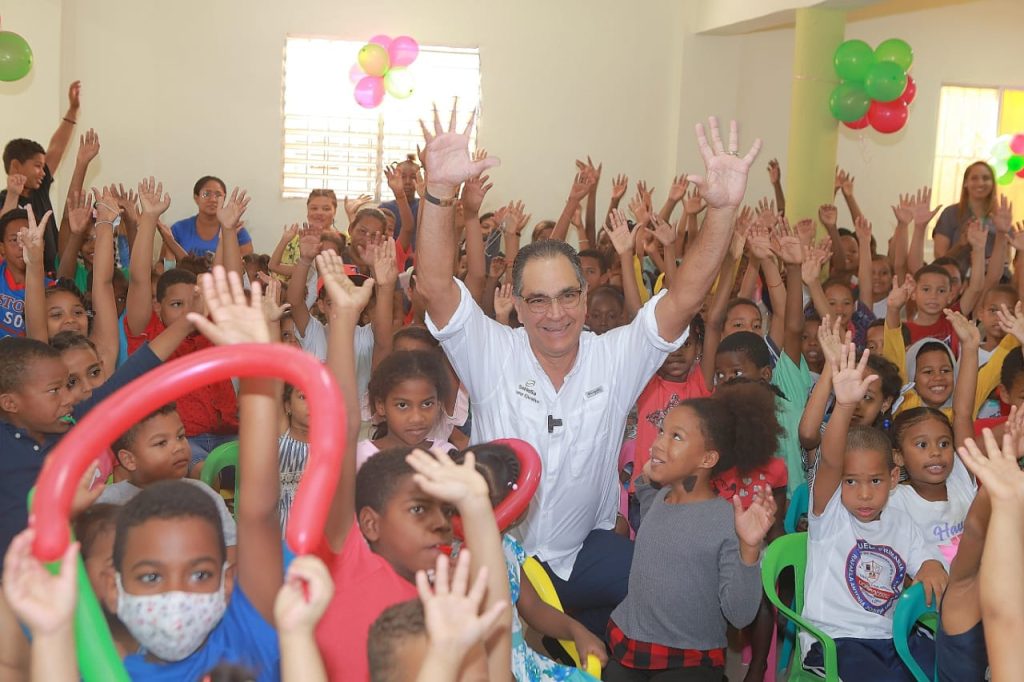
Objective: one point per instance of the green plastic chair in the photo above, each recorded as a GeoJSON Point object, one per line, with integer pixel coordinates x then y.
{"type": "Point", "coordinates": [910, 609]}
{"type": "Point", "coordinates": [790, 551]}
{"type": "Point", "coordinates": [221, 457]}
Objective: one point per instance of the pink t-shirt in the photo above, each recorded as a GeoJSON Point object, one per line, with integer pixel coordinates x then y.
{"type": "Point", "coordinates": [365, 449]}
{"type": "Point", "coordinates": [364, 586]}
{"type": "Point", "coordinates": [658, 397]}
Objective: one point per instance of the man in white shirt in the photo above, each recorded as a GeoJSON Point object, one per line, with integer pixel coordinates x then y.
{"type": "Point", "coordinates": [564, 391]}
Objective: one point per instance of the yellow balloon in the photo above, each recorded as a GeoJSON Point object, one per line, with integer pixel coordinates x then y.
{"type": "Point", "coordinates": [374, 60]}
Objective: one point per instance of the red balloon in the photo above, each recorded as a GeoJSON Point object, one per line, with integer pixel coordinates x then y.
{"type": "Point", "coordinates": [888, 117]}
{"type": "Point", "coordinates": [513, 506]}
{"type": "Point", "coordinates": [66, 464]}
{"type": "Point", "coordinates": [909, 92]}
{"type": "Point", "coordinates": [1020, 173]}
{"type": "Point", "coordinates": [861, 122]}
{"type": "Point", "coordinates": [1017, 144]}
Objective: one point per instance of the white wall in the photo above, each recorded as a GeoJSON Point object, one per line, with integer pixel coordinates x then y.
{"type": "Point", "coordinates": [184, 88]}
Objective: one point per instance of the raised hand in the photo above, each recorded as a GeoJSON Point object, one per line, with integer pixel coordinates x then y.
{"type": "Point", "coordinates": [641, 209]}
{"type": "Point", "coordinates": [581, 185]}
{"type": "Point", "coordinates": [774, 172]}
{"type": "Point", "coordinates": [451, 610]}
{"type": "Point", "coordinates": [304, 596]}
{"type": "Point", "coordinates": [759, 243]}
{"type": "Point", "coordinates": [447, 161]}
{"type": "Point", "coordinates": [16, 184]}
{"type": "Point", "coordinates": [394, 180]}
{"type": "Point", "coordinates": [1012, 323]}
{"type": "Point", "coordinates": [346, 298]}
{"type": "Point", "coordinates": [381, 257]}
{"type": "Point", "coordinates": [233, 209]}
{"type": "Point", "coordinates": [977, 235]}
{"type": "Point", "coordinates": [1016, 236]}
{"type": "Point", "coordinates": [42, 601]}
{"type": "Point", "coordinates": [862, 228]}
{"type": "Point", "coordinates": [828, 215]}
{"type": "Point", "coordinates": [273, 309]}
{"type": "Point", "coordinates": [75, 95]}
{"type": "Point", "coordinates": [235, 319]}
{"type": "Point", "coordinates": [79, 208]}
{"type": "Point", "coordinates": [725, 178]}
{"type": "Point", "coordinates": [496, 268]}
{"type": "Point", "coordinates": [88, 146]}
{"type": "Point", "coordinates": [1015, 426]}
{"type": "Point", "coordinates": [1002, 215]}
{"type": "Point", "coordinates": [786, 244]}
{"type": "Point", "coordinates": [352, 206]}
{"type": "Point", "coordinates": [904, 209]}
{"type": "Point", "coordinates": [921, 202]}
{"type": "Point", "coordinates": [518, 219]}
{"type": "Point", "coordinates": [128, 202]}
{"type": "Point", "coordinates": [31, 238]}
{"type": "Point", "coordinates": [966, 331]}
{"type": "Point", "coordinates": [106, 205]}
{"type": "Point", "coordinates": [833, 336]}
{"type": "Point", "coordinates": [152, 197]}
{"type": "Point", "coordinates": [662, 231]}
{"type": "Point", "coordinates": [438, 476]}
{"type": "Point", "coordinates": [694, 202]}
{"type": "Point", "coordinates": [849, 382]}
{"type": "Point", "coordinates": [474, 191]}
{"type": "Point", "coordinates": [618, 233]}
{"type": "Point", "coordinates": [677, 190]}
{"type": "Point", "coordinates": [289, 232]}
{"type": "Point", "coordinates": [815, 257]}
{"type": "Point", "coordinates": [844, 181]}
{"type": "Point", "coordinates": [309, 242]}
{"type": "Point", "coordinates": [900, 294]}
{"type": "Point", "coordinates": [997, 468]}
{"type": "Point", "coordinates": [504, 302]}
{"type": "Point", "coordinates": [620, 183]}
{"type": "Point", "coordinates": [805, 231]}
{"type": "Point", "coordinates": [754, 522]}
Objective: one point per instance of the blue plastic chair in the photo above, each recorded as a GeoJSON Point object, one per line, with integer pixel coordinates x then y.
{"type": "Point", "coordinates": [910, 609]}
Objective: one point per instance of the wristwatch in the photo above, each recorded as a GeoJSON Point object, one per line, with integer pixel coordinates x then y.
{"type": "Point", "coordinates": [443, 203]}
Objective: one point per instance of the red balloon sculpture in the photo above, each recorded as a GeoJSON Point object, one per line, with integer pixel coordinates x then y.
{"type": "Point", "coordinates": [67, 463]}
{"type": "Point", "coordinates": [513, 506]}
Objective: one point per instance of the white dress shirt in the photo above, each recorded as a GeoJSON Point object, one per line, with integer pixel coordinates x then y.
{"type": "Point", "coordinates": [577, 429]}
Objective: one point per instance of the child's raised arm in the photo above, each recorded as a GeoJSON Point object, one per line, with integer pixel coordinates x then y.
{"type": "Point", "coordinates": [473, 193]}
{"type": "Point", "coordinates": [139, 308]}
{"type": "Point", "coordinates": [405, 216]}
{"type": "Point", "coordinates": [230, 217]}
{"type": "Point", "coordinates": [580, 188]}
{"type": "Point", "coordinates": [65, 129]}
{"type": "Point", "coordinates": [966, 378]}
{"type": "Point", "coordinates": [622, 240]}
{"type": "Point", "coordinates": [849, 383]}
{"type": "Point", "coordinates": [236, 320]}
{"type": "Point", "coordinates": [863, 230]}
{"type": "Point", "coordinates": [831, 337]}
{"type": "Point", "coordinates": [385, 275]}
{"type": "Point", "coordinates": [287, 235]}
{"type": "Point", "coordinates": [309, 244]}
{"type": "Point", "coordinates": [347, 304]}
{"type": "Point", "coordinates": [45, 603]}
{"type": "Point", "coordinates": [301, 601]}
{"type": "Point", "coordinates": [463, 487]}
{"type": "Point", "coordinates": [105, 333]}
{"type": "Point", "coordinates": [32, 248]}
{"type": "Point", "coordinates": [786, 243]}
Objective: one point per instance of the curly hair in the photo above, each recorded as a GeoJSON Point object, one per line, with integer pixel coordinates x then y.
{"type": "Point", "coordinates": [393, 627]}
{"type": "Point", "coordinates": [739, 421]}
{"type": "Point", "coordinates": [404, 365]}
{"type": "Point", "coordinates": [498, 465]}
{"type": "Point", "coordinates": [379, 476]}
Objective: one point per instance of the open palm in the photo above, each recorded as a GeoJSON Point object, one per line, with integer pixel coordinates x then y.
{"type": "Point", "coordinates": [725, 177]}
{"type": "Point", "coordinates": [446, 154]}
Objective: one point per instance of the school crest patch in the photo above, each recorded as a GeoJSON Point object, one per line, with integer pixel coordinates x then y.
{"type": "Point", "coordinates": [874, 576]}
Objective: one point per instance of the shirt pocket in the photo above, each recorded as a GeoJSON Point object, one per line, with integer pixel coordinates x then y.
{"type": "Point", "coordinates": [592, 431]}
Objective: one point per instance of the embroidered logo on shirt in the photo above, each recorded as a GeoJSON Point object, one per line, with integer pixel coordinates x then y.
{"type": "Point", "coordinates": [526, 391]}
{"type": "Point", "coordinates": [874, 576]}
{"type": "Point", "coordinates": [593, 392]}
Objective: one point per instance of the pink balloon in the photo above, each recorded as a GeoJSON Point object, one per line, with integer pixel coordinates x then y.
{"type": "Point", "coordinates": [356, 73]}
{"type": "Point", "coordinates": [1017, 144]}
{"type": "Point", "coordinates": [381, 40]}
{"type": "Point", "coordinates": [370, 91]}
{"type": "Point", "coordinates": [403, 51]}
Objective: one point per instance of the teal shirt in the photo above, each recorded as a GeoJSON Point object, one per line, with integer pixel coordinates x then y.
{"type": "Point", "coordinates": [796, 384]}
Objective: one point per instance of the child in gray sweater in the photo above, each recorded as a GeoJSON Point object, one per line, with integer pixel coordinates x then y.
{"type": "Point", "coordinates": [697, 559]}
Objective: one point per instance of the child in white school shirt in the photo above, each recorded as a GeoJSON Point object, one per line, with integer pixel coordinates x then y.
{"type": "Point", "coordinates": [860, 550]}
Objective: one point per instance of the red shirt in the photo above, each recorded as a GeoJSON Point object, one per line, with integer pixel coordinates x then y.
{"type": "Point", "coordinates": [364, 586]}
{"type": "Point", "coordinates": [729, 482]}
{"type": "Point", "coordinates": [941, 330]}
{"type": "Point", "coordinates": [210, 409]}
{"type": "Point", "coordinates": [658, 397]}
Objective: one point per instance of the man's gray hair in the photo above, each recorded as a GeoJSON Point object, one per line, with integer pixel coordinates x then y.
{"type": "Point", "coordinates": [544, 250]}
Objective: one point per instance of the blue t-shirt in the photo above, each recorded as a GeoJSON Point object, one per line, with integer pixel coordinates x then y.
{"type": "Point", "coordinates": [12, 304]}
{"type": "Point", "coordinates": [185, 233]}
{"type": "Point", "coordinates": [392, 206]}
{"type": "Point", "coordinates": [242, 637]}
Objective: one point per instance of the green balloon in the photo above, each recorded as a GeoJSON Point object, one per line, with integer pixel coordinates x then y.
{"type": "Point", "coordinates": [849, 102]}
{"type": "Point", "coordinates": [1015, 163]}
{"type": "Point", "coordinates": [853, 60]}
{"type": "Point", "coordinates": [896, 51]}
{"type": "Point", "coordinates": [399, 82]}
{"type": "Point", "coordinates": [1006, 178]}
{"type": "Point", "coordinates": [15, 57]}
{"type": "Point", "coordinates": [886, 81]}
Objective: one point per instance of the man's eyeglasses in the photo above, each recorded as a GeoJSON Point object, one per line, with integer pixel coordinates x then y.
{"type": "Point", "coordinates": [569, 300]}
{"type": "Point", "coordinates": [206, 194]}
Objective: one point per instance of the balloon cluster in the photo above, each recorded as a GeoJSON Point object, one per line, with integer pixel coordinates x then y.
{"type": "Point", "coordinates": [15, 57]}
{"type": "Point", "coordinates": [383, 66]}
{"type": "Point", "coordinates": [876, 88]}
{"type": "Point", "coordinates": [1007, 158]}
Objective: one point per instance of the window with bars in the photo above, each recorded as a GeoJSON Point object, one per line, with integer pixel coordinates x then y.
{"type": "Point", "coordinates": [332, 142]}
{"type": "Point", "coordinates": [970, 121]}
